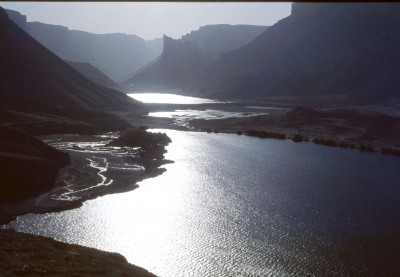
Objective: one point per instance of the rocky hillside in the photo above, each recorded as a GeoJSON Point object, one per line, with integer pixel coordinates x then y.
{"type": "Point", "coordinates": [114, 54]}
{"type": "Point", "coordinates": [320, 49]}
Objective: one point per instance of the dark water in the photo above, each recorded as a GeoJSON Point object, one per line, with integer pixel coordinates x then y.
{"type": "Point", "coordinates": [239, 206]}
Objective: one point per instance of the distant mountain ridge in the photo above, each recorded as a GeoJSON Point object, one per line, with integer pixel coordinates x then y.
{"type": "Point", "coordinates": [113, 54]}
{"type": "Point", "coordinates": [31, 71]}
{"type": "Point", "coordinates": [320, 49]}
{"type": "Point", "coordinates": [183, 60]}
{"type": "Point", "coordinates": [41, 94]}
{"type": "Point", "coordinates": [222, 38]}
{"type": "Point", "coordinates": [178, 66]}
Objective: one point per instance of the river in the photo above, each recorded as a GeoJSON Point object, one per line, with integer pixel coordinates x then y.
{"type": "Point", "coordinates": [232, 205]}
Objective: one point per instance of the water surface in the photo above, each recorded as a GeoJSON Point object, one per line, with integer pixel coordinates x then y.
{"type": "Point", "coordinates": [240, 206]}
{"type": "Point", "coordinates": [167, 98]}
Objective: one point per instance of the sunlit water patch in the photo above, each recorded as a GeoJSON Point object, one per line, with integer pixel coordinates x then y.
{"type": "Point", "coordinates": [182, 117]}
{"type": "Point", "coordinates": [166, 98]}
{"type": "Point", "coordinates": [239, 206]}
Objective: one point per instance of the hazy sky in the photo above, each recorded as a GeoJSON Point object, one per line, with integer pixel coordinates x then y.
{"type": "Point", "coordinates": [149, 20]}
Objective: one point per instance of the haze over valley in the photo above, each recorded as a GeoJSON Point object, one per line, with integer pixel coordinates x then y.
{"type": "Point", "coordinates": [264, 141]}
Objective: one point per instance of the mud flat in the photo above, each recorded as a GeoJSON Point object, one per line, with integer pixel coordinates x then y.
{"type": "Point", "coordinates": [96, 169]}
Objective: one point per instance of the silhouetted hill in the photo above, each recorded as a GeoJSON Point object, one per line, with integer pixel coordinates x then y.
{"type": "Point", "coordinates": [183, 60]}
{"type": "Point", "coordinates": [92, 73]}
{"type": "Point", "coordinates": [42, 94]}
{"type": "Point", "coordinates": [18, 19]}
{"type": "Point", "coordinates": [31, 71]}
{"type": "Point", "coordinates": [327, 48]}
{"type": "Point", "coordinates": [114, 54]}
{"type": "Point", "coordinates": [223, 37]}
{"type": "Point", "coordinates": [180, 64]}
{"type": "Point", "coordinates": [155, 45]}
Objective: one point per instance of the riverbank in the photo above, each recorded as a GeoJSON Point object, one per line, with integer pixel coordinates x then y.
{"type": "Point", "coordinates": [370, 126]}
{"type": "Point", "coordinates": [28, 255]}
{"type": "Point", "coordinates": [97, 167]}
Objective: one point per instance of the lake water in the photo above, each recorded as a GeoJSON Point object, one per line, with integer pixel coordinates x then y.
{"type": "Point", "coordinates": [240, 206]}
{"type": "Point", "coordinates": [167, 98]}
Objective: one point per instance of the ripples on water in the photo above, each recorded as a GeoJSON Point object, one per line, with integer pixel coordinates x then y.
{"type": "Point", "coordinates": [238, 206]}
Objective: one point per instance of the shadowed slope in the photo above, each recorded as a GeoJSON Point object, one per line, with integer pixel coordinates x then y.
{"type": "Point", "coordinates": [319, 49]}
{"type": "Point", "coordinates": [31, 71]}
{"type": "Point", "coordinates": [92, 73]}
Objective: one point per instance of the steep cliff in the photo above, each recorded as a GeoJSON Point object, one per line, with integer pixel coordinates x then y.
{"type": "Point", "coordinates": [179, 66]}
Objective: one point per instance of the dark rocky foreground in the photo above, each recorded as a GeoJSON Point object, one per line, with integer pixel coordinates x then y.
{"type": "Point", "coordinates": [28, 166]}
{"type": "Point", "coordinates": [28, 255]}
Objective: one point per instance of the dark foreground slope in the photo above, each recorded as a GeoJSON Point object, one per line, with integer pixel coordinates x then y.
{"type": "Point", "coordinates": [28, 166]}
{"type": "Point", "coordinates": [320, 49]}
{"type": "Point", "coordinates": [28, 255]}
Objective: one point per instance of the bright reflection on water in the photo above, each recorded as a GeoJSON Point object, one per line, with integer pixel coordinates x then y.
{"type": "Point", "coordinates": [238, 206]}
{"type": "Point", "coordinates": [182, 117]}
{"type": "Point", "coordinates": [166, 98]}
